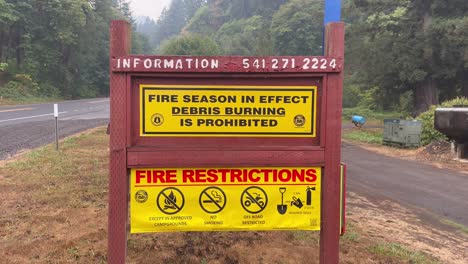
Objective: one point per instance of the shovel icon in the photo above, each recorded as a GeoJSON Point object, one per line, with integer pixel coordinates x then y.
{"type": "Point", "coordinates": [282, 207]}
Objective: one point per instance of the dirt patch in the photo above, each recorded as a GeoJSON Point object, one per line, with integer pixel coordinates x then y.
{"type": "Point", "coordinates": [393, 223]}
{"type": "Point", "coordinates": [225, 247]}
{"type": "Point", "coordinates": [437, 148]}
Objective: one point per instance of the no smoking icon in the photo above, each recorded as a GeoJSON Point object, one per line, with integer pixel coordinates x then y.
{"type": "Point", "coordinates": [212, 200]}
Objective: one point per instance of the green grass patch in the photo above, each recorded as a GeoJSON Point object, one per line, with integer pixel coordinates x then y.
{"type": "Point", "coordinates": [351, 236]}
{"type": "Point", "coordinates": [27, 100]}
{"type": "Point", "coordinates": [352, 233]}
{"type": "Point", "coordinates": [372, 117]}
{"type": "Point", "coordinates": [364, 135]}
{"type": "Point", "coordinates": [458, 226]}
{"type": "Point", "coordinates": [394, 250]}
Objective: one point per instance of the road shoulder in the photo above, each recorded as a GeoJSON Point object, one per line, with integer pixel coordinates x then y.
{"type": "Point", "coordinates": [394, 223]}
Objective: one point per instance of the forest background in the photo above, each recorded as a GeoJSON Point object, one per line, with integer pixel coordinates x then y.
{"type": "Point", "coordinates": [401, 55]}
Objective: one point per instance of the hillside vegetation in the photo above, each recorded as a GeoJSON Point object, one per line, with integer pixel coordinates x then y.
{"type": "Point", "coordinates": [401, 55]}
{"type": "Point", "coordinates": [58, 48]}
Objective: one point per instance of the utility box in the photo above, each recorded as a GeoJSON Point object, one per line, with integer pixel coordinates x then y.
{"type": "Point", "coordinates": [402, 133]}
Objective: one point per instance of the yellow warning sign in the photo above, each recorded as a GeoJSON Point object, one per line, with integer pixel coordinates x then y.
{"type": "Point", "coordinates": [224, 199]}
{"type": "Point", "coordinates": [245, 111]}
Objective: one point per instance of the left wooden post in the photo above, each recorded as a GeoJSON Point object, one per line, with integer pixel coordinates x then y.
{"type": "Point", "coordinates": [120, 45]}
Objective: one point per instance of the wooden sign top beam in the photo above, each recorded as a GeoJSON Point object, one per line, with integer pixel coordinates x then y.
{"type": "Point", "coordinates": [227, 64]}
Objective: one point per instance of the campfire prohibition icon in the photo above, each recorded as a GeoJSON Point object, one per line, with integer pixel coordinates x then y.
{"type": "Point", "coordinates": [170, 200]}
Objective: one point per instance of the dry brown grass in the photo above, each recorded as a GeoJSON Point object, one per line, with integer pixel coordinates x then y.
{"type": "Point", "coordinates": [54, 210]}
{"type": "Point", "coordinates": [54, 203]}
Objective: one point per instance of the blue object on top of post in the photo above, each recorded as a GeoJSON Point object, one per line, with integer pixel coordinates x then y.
{"type": "Point", "coordinates": [332, 11]}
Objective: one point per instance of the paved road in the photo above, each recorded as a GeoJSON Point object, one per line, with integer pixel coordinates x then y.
{"type": "Point", "coordinates": [30, 126]}
{"type": "Point", "coordinates": [439, 191]}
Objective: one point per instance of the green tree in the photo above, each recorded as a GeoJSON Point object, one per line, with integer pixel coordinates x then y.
{"type": "Point", "coordinates": [239, 9]}
{"type": "Point", "coordinates": [201, 22]}
{"type": "Point", "coordinates": [62, 45]}
{"type": "Point", "coordinates": [175, 18]}
{"type": "Point", "coordinates": [418, 46]}
{"type": "Point", "coordinates": [14, 18]}
{"type": "Point", "coordinates": [191, 45]}
{"type": "Point", "coordinates": [297, 27]}
{"type": "Point", "coordinates": [249, 36]}
{"type": "Point", "coordinates": [148, 28]}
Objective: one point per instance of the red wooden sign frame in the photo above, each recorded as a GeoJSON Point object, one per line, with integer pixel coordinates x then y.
{"type": "Point", "coordinates": [129, 150]}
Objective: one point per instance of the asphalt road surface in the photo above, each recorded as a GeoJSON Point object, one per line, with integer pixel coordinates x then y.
{"type": "Point", "coordinates": [438, 191]}
{"type": "Point", "coordinates": [30, 126]}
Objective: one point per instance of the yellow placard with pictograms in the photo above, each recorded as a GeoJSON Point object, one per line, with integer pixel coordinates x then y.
{"type": "Point", "coordinates": [225, 199]}
{"type": "Point", "coordinates": [220, 111]}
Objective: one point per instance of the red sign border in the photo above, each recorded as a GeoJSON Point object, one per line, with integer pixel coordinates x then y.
{"type": "Point", "coordinates": [328, 152]}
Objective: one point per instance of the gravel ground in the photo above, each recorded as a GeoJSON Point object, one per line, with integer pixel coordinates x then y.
{"type": "Point", "coordinates": [17, 137]}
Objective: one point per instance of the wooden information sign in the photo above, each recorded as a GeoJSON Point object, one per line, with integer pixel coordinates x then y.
{"type": "Point", "coordinates": [225, 143]}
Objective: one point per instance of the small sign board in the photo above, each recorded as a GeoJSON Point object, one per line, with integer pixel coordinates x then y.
{"type": "Point", "coordinates": [226, 111]}
{"type": "Point", "coordinates": [225, 199]}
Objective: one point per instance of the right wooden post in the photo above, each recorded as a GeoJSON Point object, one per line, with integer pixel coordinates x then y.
{"type": "Point", "coordinates": [330, 229]}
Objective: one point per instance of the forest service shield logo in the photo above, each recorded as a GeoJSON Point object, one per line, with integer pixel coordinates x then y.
{"type": "Point", "coordinates": [299, 120]}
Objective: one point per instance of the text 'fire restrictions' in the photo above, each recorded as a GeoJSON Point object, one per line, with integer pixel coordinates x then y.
{"type": "Point", "coordinates": [213, 199]}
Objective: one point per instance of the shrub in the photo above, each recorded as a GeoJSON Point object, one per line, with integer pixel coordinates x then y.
{"type": "Point", "coordinates": [87, 92]}
{"type": "Point", "coordinates": [429, 133]}
{"type": "Point", "coordinates": [30, 86]}
{"type": "Point", "coordinates": [12, 90]}
{"type": "Point", "coordinates": [352, 95]}
{"type": "Point", "coordinates": [3, 66]}
{"type": "Point", "coordinates": [48, 89]}
{"type": "Point", "coordinates": [406, 102]}
{"type": "Point", "coordinates": [368, 99]}
{"type": "Point", "coordinates": [22, 86]}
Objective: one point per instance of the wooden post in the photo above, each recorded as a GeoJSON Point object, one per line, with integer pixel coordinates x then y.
{"type": "Point", "coordinates": [120, 43]}
{"type": "Point", "coordinates": [330, 230]}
